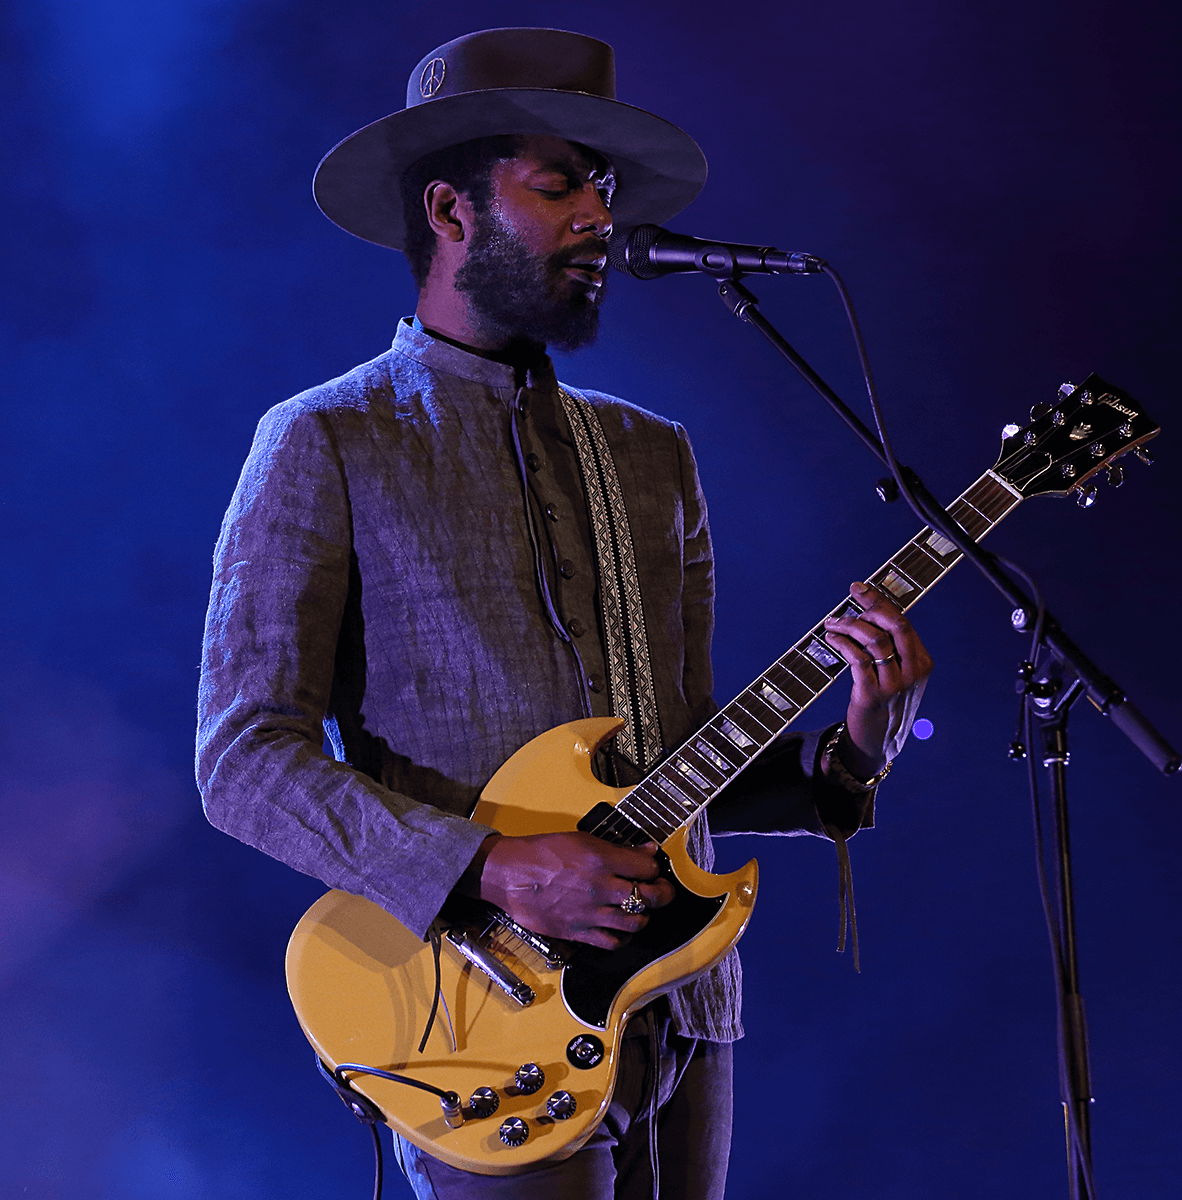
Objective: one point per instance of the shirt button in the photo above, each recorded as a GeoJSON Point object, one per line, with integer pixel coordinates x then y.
{"type": "Point", "coordinates": [576, 627]}
{"type": "Point", "coordinates": [533, 462]}
{"type": "Point", "coordinates": [566, 568]}
{"type": "Point", "coordinates": [551, 512]}
{"type": "Point", "coordinates": [595, 682]}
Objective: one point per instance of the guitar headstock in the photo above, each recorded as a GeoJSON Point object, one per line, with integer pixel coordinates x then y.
{"type": "Point", "coordinates": [1065, 444]}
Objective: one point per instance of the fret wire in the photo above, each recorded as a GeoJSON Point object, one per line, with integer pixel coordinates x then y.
{"type": "Point", "coordinates": [919, 566]}
{"type": "Point", "coordinates": [928, 553]}
{"type": "Point", "coordinates": [738, 703]}
{"type": "Point", "coordinates": [761, 709]}
{"type": "Point", "coordinates": [743, 720]}
{"type": "Point", "coordinates": [642, 821]}
{"type": "Point", "coordinates": [706, 769]}
{"type": "Point", "coordinates": [961, 511]}
{"type": "Point", "coordinates": [778, 700]}
{"type": "Point", "coordinates": [804, 667]}
{"type": "Point", "coordinates": [716, 723]}
{"type": "Point", "coordinates": [657, 804]}
{"type": "Point", "coordinates": [990, 498]}
{"type": "Point", "coordinates": [722, 752]}
{"type": "Point", "coordinates": [791, 685]}
{"type": "Point", "coordinates": [669, 774]}
{"type": "Point", "coordinates": [608, 824]}
{"type": "Point", "coordinates": [965, 503]}
{"type": "Point", "coordinates": [975, 509]}
{"type": "Point", "coordinates": [678, 782]}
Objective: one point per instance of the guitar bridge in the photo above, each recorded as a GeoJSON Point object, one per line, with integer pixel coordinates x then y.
{"type": "Point", "coordinates": [480, 957]}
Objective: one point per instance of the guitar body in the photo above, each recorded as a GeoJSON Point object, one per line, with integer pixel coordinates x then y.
{"type": "Point", "coordinates": [362, 984]}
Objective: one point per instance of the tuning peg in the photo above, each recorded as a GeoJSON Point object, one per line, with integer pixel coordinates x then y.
{"type": "Point", "coordinates": [1144, 455]}
{"type": "Point", "coordinates": [1040, 410]}
{"type": "Point", "coordinates": [1065, 390]}
{"type": "Point", "coordinates": [1086, 497]}
{"type": "Point", "coordinates": [1116, 476]}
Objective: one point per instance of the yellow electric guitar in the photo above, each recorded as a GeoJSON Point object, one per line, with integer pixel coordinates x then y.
{"type": "Point", "coordinates": [515, 1062]}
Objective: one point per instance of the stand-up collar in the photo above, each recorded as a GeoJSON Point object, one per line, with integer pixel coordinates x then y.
{"type": "Point", "coordinates": [449, 359]}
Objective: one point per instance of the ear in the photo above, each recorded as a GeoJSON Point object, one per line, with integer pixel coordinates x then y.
{"type": "Point", "coordinates": [448, 213]}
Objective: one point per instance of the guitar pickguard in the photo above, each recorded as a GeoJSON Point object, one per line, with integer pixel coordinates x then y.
{"type": "Point", "coordinates": [593, 977]}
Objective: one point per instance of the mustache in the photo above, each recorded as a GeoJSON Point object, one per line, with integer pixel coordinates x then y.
{"type": "Point", "coordinates": [579, 256]}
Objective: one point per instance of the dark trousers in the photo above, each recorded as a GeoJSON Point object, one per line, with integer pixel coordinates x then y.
{"type": "Point", "coordinates": [686, 1100]}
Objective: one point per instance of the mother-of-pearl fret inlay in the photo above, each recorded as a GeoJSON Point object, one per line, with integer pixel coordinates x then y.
{"type": "Point", "coordinates": [733, 733]}
{"type": "Point", "coordinates": [821, 653]}
{"type": "Point", "coordinates": [895, 584]}
{"type": "Point", "coordinates": [708, 752]}
{"type": "Point", "coordinates": [688, 780]}
{"type": "Point", "coordinates": [940, 543]}
{"type": "Point", "coordinates": [673, 791]}
{"type": "Point", "coordinates": [774, 698]}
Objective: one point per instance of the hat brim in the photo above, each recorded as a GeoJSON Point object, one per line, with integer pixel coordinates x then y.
{"type": "Point", "coordinates": [659, 168]}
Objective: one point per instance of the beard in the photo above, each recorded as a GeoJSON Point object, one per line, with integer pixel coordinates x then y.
{"type": "Point", "coordinates": [519, 296]}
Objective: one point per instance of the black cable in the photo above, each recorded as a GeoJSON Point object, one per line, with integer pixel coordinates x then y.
{"type": "Point", "coordinates": [361, 1069]}
{"type": "Point", "coordinates": [377, 1163]}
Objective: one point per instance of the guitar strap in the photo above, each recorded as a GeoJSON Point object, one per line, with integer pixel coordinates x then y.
{"type": "Point", "coordinates": [629, 668]}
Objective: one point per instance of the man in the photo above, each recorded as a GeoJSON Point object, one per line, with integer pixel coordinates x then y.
{"type": "Point", "coordinates": [414, 562]}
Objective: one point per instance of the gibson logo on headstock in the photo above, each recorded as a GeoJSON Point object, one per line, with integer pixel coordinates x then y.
{"type": "Point", "coordinates": [1113, 402]}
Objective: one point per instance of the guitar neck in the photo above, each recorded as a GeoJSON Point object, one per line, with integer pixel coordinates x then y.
{"type": "Point", "coordinates": [677, 791]}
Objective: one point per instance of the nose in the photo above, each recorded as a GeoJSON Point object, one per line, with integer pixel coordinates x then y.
{"type": "Point", "coordinates": [593, 215]}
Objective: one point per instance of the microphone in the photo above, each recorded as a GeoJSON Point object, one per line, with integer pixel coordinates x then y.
{"type": "Point", "coordinates": [648, 252]}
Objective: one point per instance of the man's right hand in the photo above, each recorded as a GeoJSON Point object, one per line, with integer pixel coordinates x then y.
{"type": "Point", "coordinates": [571, 885]}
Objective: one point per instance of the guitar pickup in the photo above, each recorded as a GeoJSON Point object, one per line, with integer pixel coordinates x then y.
{"type": "Point", "coordinates": [483, 960]}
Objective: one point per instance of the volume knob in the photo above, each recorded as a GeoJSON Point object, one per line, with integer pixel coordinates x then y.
{"type": "Point", "coordinates": [514, 1131]}
{"type": "Point", "coordinates": [529, 1078]}
{"type": "Point", "coordinates": [483, 1102]}
{"type": "Point", "coordinates": [561, 1105]}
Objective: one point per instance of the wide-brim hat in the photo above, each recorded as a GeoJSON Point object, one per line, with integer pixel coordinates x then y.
{"type": "Point", "coordinates": [507, 81]}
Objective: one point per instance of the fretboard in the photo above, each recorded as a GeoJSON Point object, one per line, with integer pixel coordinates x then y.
{"type": "Point", "coordinates": [677, 791]}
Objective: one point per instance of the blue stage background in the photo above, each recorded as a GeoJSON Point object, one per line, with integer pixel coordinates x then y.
{"type": "Point", "coordinates": [998, 183]}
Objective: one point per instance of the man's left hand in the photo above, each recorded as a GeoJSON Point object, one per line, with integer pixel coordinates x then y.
{"type": "Point", "coordinates": [890, 666]}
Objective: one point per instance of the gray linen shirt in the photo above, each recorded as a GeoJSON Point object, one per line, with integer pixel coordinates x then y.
{"type": "Point", "coordinates": [375, 581]}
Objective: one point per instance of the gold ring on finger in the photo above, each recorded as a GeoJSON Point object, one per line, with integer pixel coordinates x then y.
{"type": "Point", "coordinates": [888, 658]}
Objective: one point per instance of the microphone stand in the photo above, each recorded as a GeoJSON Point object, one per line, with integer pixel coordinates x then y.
{"type": "Point", "coordinates": [1047, 701]}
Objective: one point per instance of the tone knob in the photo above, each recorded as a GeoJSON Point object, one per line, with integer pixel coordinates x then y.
{"type": "Point", "coordinates": [483, 1102]}
{"type": "Point", "coordinates": [514, 1131]}
{"type": "Point", "coordinates": [529, 1078]}
{"type": "Point", "coordinates": [561, 1105]}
